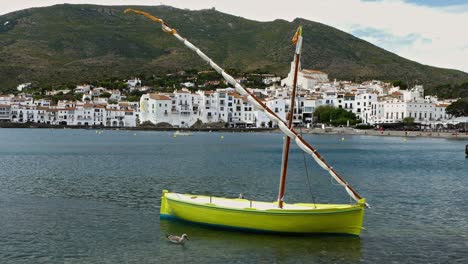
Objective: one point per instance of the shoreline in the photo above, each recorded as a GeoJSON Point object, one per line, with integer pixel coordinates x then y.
{"type": "Point", "coordinates": [140, 128]}
{"type": "Point", "coordinates": [386, 133]}
{"type": "Point", "coordinates": [314, 131]}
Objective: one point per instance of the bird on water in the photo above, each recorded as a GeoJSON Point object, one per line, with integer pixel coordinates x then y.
{"type": "Point", "coordinates": [177, 239]}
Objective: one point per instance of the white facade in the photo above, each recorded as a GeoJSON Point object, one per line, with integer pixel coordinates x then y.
{"type": "Point", "coordinates": [306, 79]}
{"type": "Point", "coordinates": [68, 113]}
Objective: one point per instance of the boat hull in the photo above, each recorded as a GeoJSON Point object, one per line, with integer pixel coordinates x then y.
{"type": "Point", "coordinates": [327, 219]}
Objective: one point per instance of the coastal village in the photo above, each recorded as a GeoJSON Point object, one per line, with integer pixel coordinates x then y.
{"type": "Point", "coordinates": [373, 102]}
{"type": "Point", "coordinates": [124, 144]}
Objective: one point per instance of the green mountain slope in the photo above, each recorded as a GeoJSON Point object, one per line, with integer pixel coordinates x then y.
{"type": "Point", "coordinates": [76, 43]}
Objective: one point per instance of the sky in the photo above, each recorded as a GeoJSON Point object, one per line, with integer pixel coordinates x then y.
{"type": "Point", "coordinates": [433, 32]}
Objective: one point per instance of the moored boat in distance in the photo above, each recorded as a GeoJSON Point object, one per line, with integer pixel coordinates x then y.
{"type": "Point", "coordinates": [178, 133]}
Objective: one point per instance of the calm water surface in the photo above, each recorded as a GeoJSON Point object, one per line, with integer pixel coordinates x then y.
{"type": "Point", "coordinates": [74, 196]}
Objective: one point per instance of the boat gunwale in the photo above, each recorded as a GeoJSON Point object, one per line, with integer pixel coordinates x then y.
{"type": "Point", "coordinates": [352, 208]}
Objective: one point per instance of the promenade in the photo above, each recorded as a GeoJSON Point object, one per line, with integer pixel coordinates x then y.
{"type": "Point", "coordinates": [391, 133]}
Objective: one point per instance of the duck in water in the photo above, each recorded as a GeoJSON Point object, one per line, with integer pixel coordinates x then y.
{"type": "Point", "coordinates": [177, 239]}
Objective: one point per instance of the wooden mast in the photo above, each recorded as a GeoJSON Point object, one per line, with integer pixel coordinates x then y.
{"type": "Point", "coordinates": [297, 39]}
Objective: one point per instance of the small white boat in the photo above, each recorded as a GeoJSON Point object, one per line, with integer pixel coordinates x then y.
{"type": "Point", "coordinates": [178, 133]}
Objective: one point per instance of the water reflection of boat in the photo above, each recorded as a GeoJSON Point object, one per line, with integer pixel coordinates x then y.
{"type": "Point", "coordinates": [262, 248]}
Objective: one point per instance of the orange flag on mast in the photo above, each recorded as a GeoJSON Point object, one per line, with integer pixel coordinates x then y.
{"type": "Point", "coordinates": [297, 35]}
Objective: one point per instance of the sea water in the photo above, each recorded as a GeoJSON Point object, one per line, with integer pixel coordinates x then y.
{"type": "Point", "coordinates": [77, 196]}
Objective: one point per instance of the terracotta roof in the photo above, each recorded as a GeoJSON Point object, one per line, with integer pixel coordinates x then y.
{"type": "Point", "coordinates": [442, 105]}
{"type": "Point", "coordinates": [181, 91]}
{"type": "Point", "coordinates": [5, 106]}
{"type": "Point", "coordinates": [155, 96]}
{"type": "Point", "coordinates": [312, 71]}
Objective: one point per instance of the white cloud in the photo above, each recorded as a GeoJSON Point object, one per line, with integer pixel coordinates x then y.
{"type": "Point", "coordinates": [430, 35]}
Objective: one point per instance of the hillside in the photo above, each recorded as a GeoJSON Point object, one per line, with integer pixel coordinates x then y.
{"type": "Point", "coordinates": [77, 43]}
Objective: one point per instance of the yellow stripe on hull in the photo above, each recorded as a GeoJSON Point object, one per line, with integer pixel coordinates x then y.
{"type": "Point", "coordinates": [298, 218]}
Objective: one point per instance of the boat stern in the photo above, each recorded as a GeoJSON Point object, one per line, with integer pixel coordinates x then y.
{"type": "Point", "coordinates": [164, 211]}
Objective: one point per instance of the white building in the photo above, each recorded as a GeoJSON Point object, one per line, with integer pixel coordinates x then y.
{"type": "Point", "coordinates": [277, 105]}
{"type": "Point", "coordinates": [23, 86]}
{"type": "Point", "coordinates": [155, 108]}
{"type": "Point", "coordinates": [85, 88]}
{"type": "Point", "coordinates": [306, 79]}
{"type": "Point", "coordinates": [4, 112]}
{"type": "Point", "coordinates": [68, 113]}
{"type": "Point", "coordinates": [410, 103]}
{"type": "Point", "coordinates": [132, 83]}
{"type": "Point", "coordinates": [183, 108]}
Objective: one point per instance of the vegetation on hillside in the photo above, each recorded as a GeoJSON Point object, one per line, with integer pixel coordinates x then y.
{"type": "Point", "coordinates": [450, 90]}
{"type": "Point", "coordinates": [78, 43]}
{"type": "Point", "coordinates": [458, 108]}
